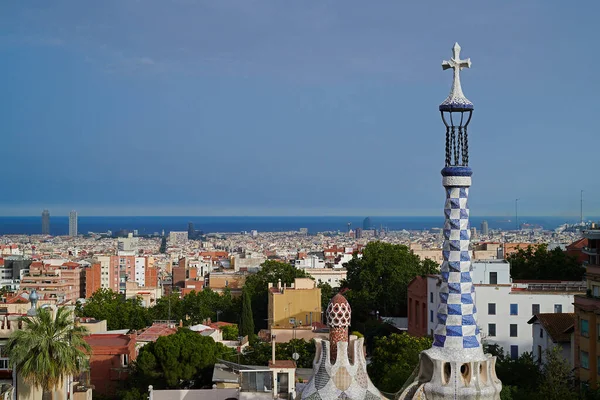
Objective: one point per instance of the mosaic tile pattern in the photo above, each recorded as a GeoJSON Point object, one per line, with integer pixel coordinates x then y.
{"type": "Point", "coordinates": [338, 319]}
{"type": "Point", "coordinates": [341, 379]}
{"type": "Point", "coordinates": [457, 314]}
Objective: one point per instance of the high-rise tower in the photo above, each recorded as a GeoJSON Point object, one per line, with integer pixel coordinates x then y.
{"type": "Point", "coordinates": [456, 367]}
{"type": "Point", "coordinates": [73, 223]}
{"type": "Point", "coordinates": [45, 222]}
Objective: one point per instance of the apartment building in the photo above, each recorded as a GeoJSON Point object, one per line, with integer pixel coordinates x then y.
{"type": "Point", "coordinates": [504, 308]}
{"type": "Point", "coordinates": [587, 306]}
{"type": "Point", "coordinates": [65, 283]}
{"type": "Point", "coordinates": [298, 304]}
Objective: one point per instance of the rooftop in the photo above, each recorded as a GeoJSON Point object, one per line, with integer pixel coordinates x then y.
{"type": "Point", "coordinates": [556, 324]}
{"type": "Point", "coordinates": [152, 333]}
{"type": "Point", "coordinates": [282, 364]}
{"type": "Point", "coordinates": [108, 340]}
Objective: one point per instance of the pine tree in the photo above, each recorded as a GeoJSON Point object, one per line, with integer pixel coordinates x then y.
{"type": "Point", "coordinates": [247, 319]}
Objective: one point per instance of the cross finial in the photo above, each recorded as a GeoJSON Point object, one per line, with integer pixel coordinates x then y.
{"type": "Point", "coordinates": [455, 62]}
{"type": "Point", "coordinates": [456, 99]}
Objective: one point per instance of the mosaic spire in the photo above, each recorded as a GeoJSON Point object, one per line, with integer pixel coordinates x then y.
{"type": "Point", "coordinates": [338, 320]}
{"type": "Point", "coordinates": [456, 367]}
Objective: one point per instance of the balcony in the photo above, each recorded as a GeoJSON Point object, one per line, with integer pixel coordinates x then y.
{"type": "Point", "coordinates": [592, 233]}
{"type": "Point", "coordinates": [590, 251]}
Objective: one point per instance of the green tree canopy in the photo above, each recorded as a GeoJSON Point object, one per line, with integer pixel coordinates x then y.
{"type": "Point", "coordinates": [259, 353]}
{"type": "Point", "coordinates": [247, 319]}
{"type": "Point", "coordinates": [119, 313]}
{"type": "Point", "coordinates": [378, 281]}
{"type": "Point", "coordinates": [257, 286]}
{"type": "Point", "coordinates": [230, 332]}
{"type": "Point", "coordinates": [48, 348]}
{"type": "Point", "coordinates": [557, 381]}
{"type": "Point", "coordinates": [537, 262]}
{"type": "Point", "coordinates": [327, 292]}
{"type": "Point", "coordinates": [182, 360]}
{"type": "Point", "coordinates": [394, 359]}
{"type": "Point", "coordinates": [525, 379]}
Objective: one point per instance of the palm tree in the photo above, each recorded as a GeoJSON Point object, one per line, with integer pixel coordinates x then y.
{"type": "Point", "coordinates": [48, 348]}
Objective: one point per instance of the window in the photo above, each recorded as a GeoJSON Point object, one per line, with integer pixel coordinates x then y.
{"type": "Point", "coordinates": [491, 330]}
{"type": "Point", "coordinates": [513, 330]}
{"type": "Point", "coordinates": [431, 297]}
{"type": "Point", "coordinates": [514, 309]}
{"type": "Point", "coordinates": [514, 352]}
{"type": "Point", "coordinates": [596, 291]}
{"type": "Point", "coordinates": [541, 331]}
{"type": "Point", "coordinates": [431, 315]}
{"type": "Point", "coordinates": [585, 359]}
{"type": "Point", "coordinates": [535, 309]}
{"type": "Point", "coordinates": [598, 365]}
{"type": "Point", "coordinates": [584, 327]}
{"type": "Point", "coordinates": [598, 331]}
{"type": "Point", "coordinates": [493, 278]}
{"type": "Point", "coordinates": [491, 308]}
{"type": "Point", "coordinates": [557, 308]}
{"type": "Point", "coordinates": [125, 360]}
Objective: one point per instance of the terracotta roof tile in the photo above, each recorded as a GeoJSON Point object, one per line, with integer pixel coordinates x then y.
{"type": "Point", "coordinates": [556, 324]}
{"type": "Point", "coordinates": [282, 364]}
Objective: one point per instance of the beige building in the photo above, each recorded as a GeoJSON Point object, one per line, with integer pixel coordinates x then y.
{"type": "Point", "coordinates": [299, 304]}
{"type": "Point", "coordinates": [148, 295]}
{"type": "Point", "coordinates": [481, 251]}
{"type": "Point", "coordinates": [69, 389]}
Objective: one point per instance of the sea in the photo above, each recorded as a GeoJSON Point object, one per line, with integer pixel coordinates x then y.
{"type": "Point", "coordinates": [59, 225]}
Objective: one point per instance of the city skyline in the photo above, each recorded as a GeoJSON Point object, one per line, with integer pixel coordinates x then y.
{"type": "Point", "coordinates": [304, 109]}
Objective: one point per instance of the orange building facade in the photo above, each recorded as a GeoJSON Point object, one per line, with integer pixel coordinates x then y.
{"type": "Point", "coordinates": [110, 360]}
{"type": "Point", "coordinates": [417, 306]}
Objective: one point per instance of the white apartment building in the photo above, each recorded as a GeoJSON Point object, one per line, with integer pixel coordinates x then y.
{"type": "Point", "coordinates": [310, 261]}
{"type": "Point", "coordinates": [203, 266]}
{"type": "Point", "coordinates": [178, 237]}
{"type": "Point", "coordinates": [140, 271]}
{"type": "Point", "coordinates": [332, 276]}
{"type": "Point", "coordinates": [104, 262]}
{"type": "Point", "coordinates": [504, 308]}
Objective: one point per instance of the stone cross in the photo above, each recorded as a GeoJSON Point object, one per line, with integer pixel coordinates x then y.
{"type": "Point", "coordinates": [457, 64]}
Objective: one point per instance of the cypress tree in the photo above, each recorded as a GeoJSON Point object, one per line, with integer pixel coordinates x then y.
{"type": "Point", "coordinates": [247, 320]}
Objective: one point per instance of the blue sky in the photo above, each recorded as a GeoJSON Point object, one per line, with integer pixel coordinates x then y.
{"type": "Point", "coordinates": [248, 107]}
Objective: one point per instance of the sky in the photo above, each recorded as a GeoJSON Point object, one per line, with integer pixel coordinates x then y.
{"type": "Point", "coordinates": [243, 107]}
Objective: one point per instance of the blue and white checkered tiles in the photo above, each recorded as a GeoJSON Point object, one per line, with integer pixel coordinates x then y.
{"type": "Point", "coordinates": [457, 314]}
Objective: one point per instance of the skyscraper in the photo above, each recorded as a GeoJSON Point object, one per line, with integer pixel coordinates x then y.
{"type": "Point", "coordinates": [73, 223]}
{"type": "Point", "coordinates": [484, 228]}
{"type": "Point", "coordinates": [367, 224]}
{"type": "Point", "coordinates": [45, 222]}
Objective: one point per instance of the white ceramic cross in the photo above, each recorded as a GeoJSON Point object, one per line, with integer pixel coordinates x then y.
{"type": "Point", "coordinates": [457, 64]}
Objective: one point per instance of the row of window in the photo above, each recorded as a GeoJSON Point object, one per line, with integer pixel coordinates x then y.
{"type": "Point", "coordinates": [513, 328]}
{"type": "Point", "coordinates": [514, 309]}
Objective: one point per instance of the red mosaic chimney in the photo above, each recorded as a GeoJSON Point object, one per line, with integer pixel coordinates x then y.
{"type": "Point", "coordinates": [338, 319]}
